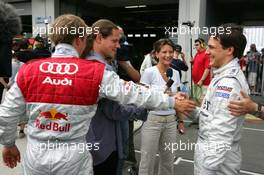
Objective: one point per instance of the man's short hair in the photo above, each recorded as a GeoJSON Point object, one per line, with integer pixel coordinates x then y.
{"type": "Point", "coordinates": [105, 27]}
{"type": "Point", "coordinates": [66, 28]}
{"type": "Point", "coordinates": [231, 35]}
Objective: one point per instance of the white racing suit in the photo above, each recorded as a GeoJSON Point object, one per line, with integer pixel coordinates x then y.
{"type": "Point", "coordinates": [217, 151]}
{"type": "Point", "coordinates": [59, 95]}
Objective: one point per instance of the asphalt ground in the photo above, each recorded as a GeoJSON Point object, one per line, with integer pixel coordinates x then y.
{"type": "Point", "coordinates": [252, 145]}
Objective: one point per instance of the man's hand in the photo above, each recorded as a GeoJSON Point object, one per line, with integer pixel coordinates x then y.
{"type": "Point", "coordinates": [200, 83]}
{"type": "Point", "coordinates": [243, 106]}
{"type": "Point", "coordinates": [11, 156]}
{"type": "Point", "coordinates": [181, 96]}
{"type": "Point", "coordinates": [171, 94]}
{"type": "Point", "coordinates": [182, 55]}
{"type": "Point", "coordinates": [184, 106]}
{"type": "Point", "coordinates": [130, 70]}
{"type": "Point", "coordinates": [8, 86]}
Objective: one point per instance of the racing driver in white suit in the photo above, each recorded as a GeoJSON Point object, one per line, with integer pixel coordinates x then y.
{"type": "Point", "coordinates": [217, 151]}
{"type": "Point", "coordinates": [59, 95]}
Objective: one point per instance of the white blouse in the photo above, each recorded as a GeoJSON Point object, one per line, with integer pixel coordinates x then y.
{"type": "Point", "coordinates": [153, 78]}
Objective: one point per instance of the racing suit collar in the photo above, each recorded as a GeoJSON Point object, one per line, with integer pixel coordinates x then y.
{"type": "Point", "coordinates": [95, 56]}
{"type": "Point", "coordinates": [65, 50]}
{"type": "Point", "coordinates": [221, 70]}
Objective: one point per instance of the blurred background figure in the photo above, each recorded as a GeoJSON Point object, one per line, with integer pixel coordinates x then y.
{"type": "Point", "coordinates": [26, 53]}
{"type": "Point", "coordinates": [260, 74]}
{"type": "Point", "coordinates": [200, 71]}
{"type": "Point", "coordinates": [253, 67]}
{"type": "Point", "coordinates": [125, 58]}
{"type": "Point", "coordinates": [149, 61]}
{"type": "Point", "coordinates": [243, 64]}
{"type": "Point", "coordinates": [178, 63]}
{"type": "Point", "coordinates": [40, 49]}
{"type": "Point", "coordinates": [23, 53]}
{"type": "Point", "coordinates": [10, 24]}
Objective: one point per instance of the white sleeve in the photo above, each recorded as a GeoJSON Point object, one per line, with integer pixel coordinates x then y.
{"type": "Point", "coordinates": [146, 77]}
{"type": "Point", "coordinates": [114, 88]}
{"type": "Point", "coordinates": [145, 64]}
{"type": "Point", "coordinates": [12, 108]}
{"type": "Point", "coordinates": [194, 115]}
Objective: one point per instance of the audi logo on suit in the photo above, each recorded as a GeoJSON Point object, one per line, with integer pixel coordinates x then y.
{"type": "Point", "coordinates": [59, 68]}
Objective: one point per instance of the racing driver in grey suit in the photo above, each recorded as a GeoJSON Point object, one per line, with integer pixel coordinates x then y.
{"type": "Point", "coordinates": [217, 151]}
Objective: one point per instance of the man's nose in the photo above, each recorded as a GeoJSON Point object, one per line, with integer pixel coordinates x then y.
{"type": "Point", "coordinates": [207, 51]}
{"type": "Point", "coordinates": [118, 45]}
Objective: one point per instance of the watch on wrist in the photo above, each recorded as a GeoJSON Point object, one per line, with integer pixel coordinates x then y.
{"type": "Point", "coordinates": [257, 113]}
{"type": "Point", "coordinates": [179, 121]}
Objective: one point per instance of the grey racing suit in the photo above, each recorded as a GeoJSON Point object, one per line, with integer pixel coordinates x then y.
{"type": "Point", "coordinates": [217, 150]}
{"type": "Point", "coordinates": [59, 95]}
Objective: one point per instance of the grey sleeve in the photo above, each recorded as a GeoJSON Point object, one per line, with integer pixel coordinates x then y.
{"type": "Point", "coordinates": [12, 108]}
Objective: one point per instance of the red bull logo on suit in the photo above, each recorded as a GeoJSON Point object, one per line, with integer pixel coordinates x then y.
{"type": "Point", "coordinates": [53, 115]}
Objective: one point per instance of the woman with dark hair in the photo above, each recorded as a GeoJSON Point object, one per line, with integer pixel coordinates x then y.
{"type": "Point", "coordinates": [160, 127]}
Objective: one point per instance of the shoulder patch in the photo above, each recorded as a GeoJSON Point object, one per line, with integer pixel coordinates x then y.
{"type": "Point", "coordinates": [233, 72]}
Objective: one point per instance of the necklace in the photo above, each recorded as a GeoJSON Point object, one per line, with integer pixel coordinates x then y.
{"type": "Point", "coordinates": [163, 74]}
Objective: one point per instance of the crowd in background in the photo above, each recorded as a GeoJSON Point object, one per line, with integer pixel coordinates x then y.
{"type": "Point", "coordinates": [252, 66]}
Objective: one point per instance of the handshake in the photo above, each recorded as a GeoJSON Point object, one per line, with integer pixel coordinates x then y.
{"type": "Point", "coordinates": [183, 104]}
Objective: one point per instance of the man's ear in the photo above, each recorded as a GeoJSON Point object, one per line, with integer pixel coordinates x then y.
{"type": "Point", "coordinates": [77, 41]}
{"type": "Point", "coordinates": [98, 38]}
{"type": "Point", "coordinates": [230, 50]}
